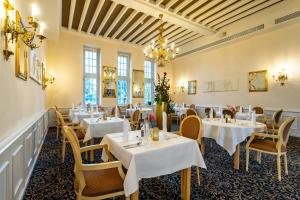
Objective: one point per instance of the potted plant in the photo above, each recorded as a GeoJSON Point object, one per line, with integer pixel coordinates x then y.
{"type": "Point", "coordinates": [163, 100]}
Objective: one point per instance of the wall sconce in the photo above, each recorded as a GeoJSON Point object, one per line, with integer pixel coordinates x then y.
{"type": "Point", "coordinates": [48, 78]}
{"type": "Point", "coordinates": [181, 87]}
{"type": "Point", "coordinates": [27, 34]}
{"type": "Point", "coordinates": [281, 77]}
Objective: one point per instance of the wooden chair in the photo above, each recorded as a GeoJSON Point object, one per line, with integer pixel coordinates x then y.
{"type": "Point", "coordinates": [273, 126]}
{"type": "Point", "coordinates": [190, 111]}
{"type": "Point", "coordinates": [135, 119]}
{"type": "Point", "coordinates": [65, 114]}
{"type": "Point", "coordinates": [58, 122]}
{"type": "Point", "coordinates": [95, 181]}
{"type": "Point", "coordinates": [207, 112]}
{"type": "Point", "coordinates": [80, 132]}
{"type": "Point", "coordinates": [258, 110]}
{"type": "Point", "coordinates": [193, 106]}
{"type": "Point", "coordinates": [228, 112]}
{"type": "Point", "coordinates": [190, 127]}
{"type": "Point", "coordinates": [113, 111]}
{"type": "Point", "coordinates": [260, 142]}
{"type": "Point", "coordinates": [129, 105]}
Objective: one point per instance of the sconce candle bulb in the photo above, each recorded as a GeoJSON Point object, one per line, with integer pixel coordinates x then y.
{"type": "Point", "coordinates": [281, 77]}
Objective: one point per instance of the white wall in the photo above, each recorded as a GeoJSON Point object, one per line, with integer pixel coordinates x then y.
{"type": "Point", "coordinates": [271, 50]}
{"type": "Point", "coordinates": [20, 101]}
{"type": "Point", "coordinates": [65, 58]}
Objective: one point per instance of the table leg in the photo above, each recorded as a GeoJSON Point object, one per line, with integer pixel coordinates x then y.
{"type": "Point", "coordinates": [202, 145]}
{"type": "Point", "coordinates": [257, 156]}
{"type": "Point", "coordinates": [186, 184]}
{"type": "Point", "coordinates": [236, 157]}
{"type": "Point", "coordinates": [135, 196]}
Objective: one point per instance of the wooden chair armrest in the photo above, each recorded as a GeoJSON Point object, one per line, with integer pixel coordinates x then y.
{"type": "Point", "coordinates": [73, 125]}
{"type": "Point", "coordinates": [93, 147]}
{"type": "Point", "coordinates": [100, 166]}
{"type": "Point", "coordinates": [260, 134]}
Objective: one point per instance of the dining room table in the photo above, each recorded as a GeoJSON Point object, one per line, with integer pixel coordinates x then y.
{"type": "Point", "coordinates": [144, 158]}
{"type": "Point", "coordinates": [230, 135]}
{"type": "Point", "coordinates": [98, 128]}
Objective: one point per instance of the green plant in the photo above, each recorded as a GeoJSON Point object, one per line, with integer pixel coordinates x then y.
{"type": "Point", "coordinates": [162, 94]}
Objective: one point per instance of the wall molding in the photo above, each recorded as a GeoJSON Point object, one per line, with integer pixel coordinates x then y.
{"type": "Point", "coordinates": [18, 155]}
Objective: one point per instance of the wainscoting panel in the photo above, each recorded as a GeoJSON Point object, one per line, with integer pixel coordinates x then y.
{"type": "Point", "coordinates": [18, 157]}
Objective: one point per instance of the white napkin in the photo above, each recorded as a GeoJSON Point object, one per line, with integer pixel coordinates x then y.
{"type": "Point", "coordinates": [116, 112]}
{"type": "Point", "coordinates": [241, 109]}
{"type": "Point", "coordinates": [211, 113]}
{"type": "Point", "coordinates": [253, 118]}
{"type": "Point", "coordinates": [73, 106]}
{"type": "Point", "coordinates": [250, 108]}
{"type": "Point", "coordinates": [183, 105]}
{"type": "Point", "coordinates": [164, 121]}
{"type": "Point", "coordinates": [220, 109]}
{"type": "Point", "coordinates": [126, 127]}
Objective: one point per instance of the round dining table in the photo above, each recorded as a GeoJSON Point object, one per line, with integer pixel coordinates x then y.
{"type": "Point", "coordinates": [230, 135]}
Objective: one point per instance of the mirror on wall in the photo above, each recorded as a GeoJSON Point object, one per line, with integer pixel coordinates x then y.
{"type": "Point", "coordinates": [192, 86]}
{"type": "Point", "coordinates": [258, 81]}
{"type": "Point", "coordinates": [109, 81]}
{"type": "Point", "coordinates": [138, 83]}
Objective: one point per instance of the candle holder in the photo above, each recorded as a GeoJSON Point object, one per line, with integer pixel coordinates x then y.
{"type": "Point", "coordinates": [155, 134]}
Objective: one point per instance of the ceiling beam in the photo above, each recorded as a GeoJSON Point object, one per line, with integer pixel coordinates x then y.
{"type": "Point", "coordinates": [134, 25]}
{"type": "Point", "coordinates": [170, 17]}
{"type": "Point", "coordinates": [132, 15]}
{"type": "Point", "coordinates": [178, 36]}
{"type": "Point", "coordinates": [155, 34]}
{"type": "Point", "coordinates": [107, 15]}
{"type": "Point", "coordinates": [72, 10]}
{"type": "Point", "coordinates": [182, 38]}
{"type": "Point", "coordinates": [170, 4]}
{"type": "Point", "coordinates": [216, 9]}
{"type": "Point", "coordinates": [182, 5]}
{"type": "Point", "coordinates": [116, 20]}
{"type": "Point", "coordinates": [204, 8]}
{"type": "Point", "coordinates": [193, 7]}
{"type": "Point", "coordinates": [247, 13]}
{"type": "Point", "coordinates": [149, 30]}
{"type": "Point", "coordinates": [183, 42]}
{"type": "Point", "coordinates": [96, 14]}
{"type": "Point", "coordinates": [83, 14]}
{"type": "Point", "coordinates": [225, 11]}
{"type": "Point", "coordinates": [152, 19]}
{"type": "Point", "coordinates": [159, 2]}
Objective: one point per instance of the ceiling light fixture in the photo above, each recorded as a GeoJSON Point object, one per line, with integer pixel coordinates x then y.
{"type": "Point", "coordinates": [164, 53]}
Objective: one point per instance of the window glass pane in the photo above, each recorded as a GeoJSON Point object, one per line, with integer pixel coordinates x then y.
{"type": "Point", "coordinates": [91, 67]}
{"type": "Point", "coordinates": [122, 92]}
{"type": "Point", "coordinates": [149, 80]}
{"type": "Point", "coordinates": [123, 76]}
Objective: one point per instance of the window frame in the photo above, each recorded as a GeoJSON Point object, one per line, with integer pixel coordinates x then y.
{"type": "Point", "coordinates": [152, 79]}
{"type": "Point", "coordinates": [126, 78]}
{"type": "Point", "coordinates": [90, 75]}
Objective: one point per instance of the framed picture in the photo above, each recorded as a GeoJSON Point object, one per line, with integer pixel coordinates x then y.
{"type": "Point", "coordinates": [192, 87]}
{"type": "Point", "coordinates": [35, 67]}
{"type": "Point", "coordinates": [21, 68]}
{"type": "Point", "coordinates": [258, 81]}
{"type": "Point", "coordinates": [138, 83]}
{"type": "Point", "coordinates": [109, 81]}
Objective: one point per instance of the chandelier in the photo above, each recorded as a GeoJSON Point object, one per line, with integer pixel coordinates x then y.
{"type": "Point", "coordinates": [161, 52]}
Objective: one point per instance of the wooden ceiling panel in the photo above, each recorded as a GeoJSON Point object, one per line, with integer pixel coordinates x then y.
{"type": "Point", "coordinates": [137, 22]}
{"type": "Point", "coordinates": [89, 15]}
{"type": "Point", "coordinates": [66, 4]}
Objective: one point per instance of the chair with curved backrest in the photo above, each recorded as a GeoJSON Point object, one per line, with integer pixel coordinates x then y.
{"type": "Point", "coordinates": [58, 123]}
{"type": "Point", "coordinates": [274, 125]}
{"type": "Point", "coordinates": [228, 112]}
{"type": "Point", "coordinates": [135, 119]}
{"type": "Point", "coordinates": [190, 111]}
{"type": "Point", "coordinates": [260, 142]}
{"type": "Point", "coordinates": [95, 181]}
{"type": "Point", "coordinates": [193, 106]}
{"type": "Point", "coordinates": [258, 110]}
{"type": "Point", "coordinates": [80, 132]}
{"type": "Point", "coordinates": [190, 127]}
{"type": "Point", "coordinates": [207, 112]}
{"type": "Point", "coordinates": [113, 111]}
{"type": "Point", "coordinates": [129, 105]}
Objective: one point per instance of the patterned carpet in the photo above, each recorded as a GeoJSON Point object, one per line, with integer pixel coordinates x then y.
{"type": "Point", "coordinates": [52, 179]}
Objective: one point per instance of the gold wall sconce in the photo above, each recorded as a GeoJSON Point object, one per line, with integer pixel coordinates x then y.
{"type": "Point", "coordinates": [13, 32]}
{"type": "Point", "coordinates": [281, 77]}
{"type": "Point", "coordinates": [181, 87]}
{"type": "Point", "coordinates": [47, 78]}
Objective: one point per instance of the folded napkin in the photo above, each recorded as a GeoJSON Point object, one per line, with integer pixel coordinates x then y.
{"type": "Point", "coordinates": [241, 109]}
{"type": "Point", "coordinates": [253, 118]}
{"type": "Point", "coordinates": [211, 113]}
{"type": "Point", "coordinates": [126, 128]}
{"type": "Point", "coordinates": [250, 108]}
{"type": "Point", "coordinates": [164, 121]}
{"type": "Point", "coordinates": [116, 111]}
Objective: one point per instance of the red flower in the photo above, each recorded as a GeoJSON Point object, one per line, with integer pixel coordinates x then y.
{"type": "Point", "coordinates": [151, 117]}
{"type": "Point", "coordinates": [165, 73]}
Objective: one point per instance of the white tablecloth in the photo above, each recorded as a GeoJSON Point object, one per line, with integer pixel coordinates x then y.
{"type": "Point", "coordinates": [79, 116]}
{"type": "Point", "coordinates": [98, 128]}
{"type": "Point", "coordinates": [180, 110]}
{"type": "Point", "coordinates": [155, 159]}
{"type": "Point", "coordinates": [246, 116]}
{"type": "Point", "coordinates": [144, 111]}
{"type": "Point", "coordinates": [228, 135]}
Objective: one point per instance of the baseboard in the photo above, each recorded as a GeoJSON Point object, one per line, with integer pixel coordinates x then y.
{"type": "Point", "coordinates": [19, 155]}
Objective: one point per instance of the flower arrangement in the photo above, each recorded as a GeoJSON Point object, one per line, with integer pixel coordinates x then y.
{"type": "Point", "coordinates": [152, 119]}
{"type": "Point", "coordinates": [100, 108]}
{"type": "Point", "coordinates": [162, 94]}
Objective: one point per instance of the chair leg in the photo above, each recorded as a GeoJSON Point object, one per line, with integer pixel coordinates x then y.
{"type": "Point", "coordinates": [285, 165]}
{"type": "Point", "coordinates": [279, 167]}
{"type": "Point", "coordinates": [259, 157]}
{"type": "Point", "coordinates": [63, 151]}
{"type": "Point", "coordinates": [57, 132]}
{"type": "Point", "coordinates": [198, 175]}
{"type": "Point", "coordinates": [247, 159]}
